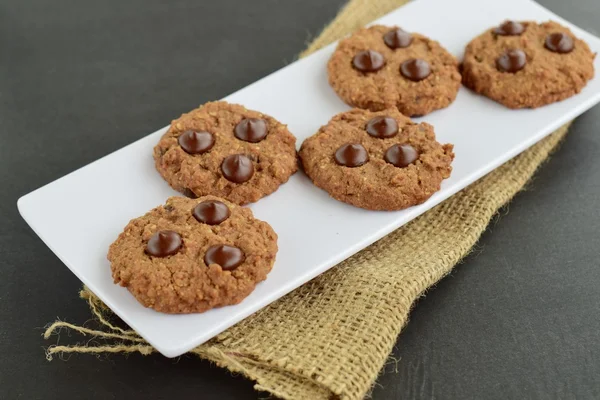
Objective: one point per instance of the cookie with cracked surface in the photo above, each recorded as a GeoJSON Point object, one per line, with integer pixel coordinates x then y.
{"type": "Point", "coordinates": [226, 150]}
{"type": "Point", "coordinates": [191, 255]}
{"type": "Point", "coordinates": [381, 67]}
{"type": "Point", "coordinates": [527, 65]}
{"type": "Point", "coordinates": [376, 160]}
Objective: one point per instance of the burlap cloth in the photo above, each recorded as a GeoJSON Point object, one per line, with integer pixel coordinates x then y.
{"type": "Point", "coordinates": [331, 337]}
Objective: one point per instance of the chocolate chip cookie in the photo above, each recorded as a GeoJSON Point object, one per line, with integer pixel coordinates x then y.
{"type": "Point", "coordinates": [376, 160]}
{"type": "Point", "coordinates": [382, 67]}
{"type": "Point", "coordinates": [228, 151]}
{"type": "Point", "coordinates": [526, 64]}
{"type": "Point", "coordinates": [191, 255]}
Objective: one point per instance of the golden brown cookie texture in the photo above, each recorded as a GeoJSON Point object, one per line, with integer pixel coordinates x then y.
{"type": "Point", "coordinates": [376, 160]}
{"type": "Point", "coordinates": [527, 65]}
{"type": "Point", "coordinates": [191, 255]}
{"type": "Point", "coordinates": [226, 150]}
{"type": "Point", "coordinates": [381, 67]}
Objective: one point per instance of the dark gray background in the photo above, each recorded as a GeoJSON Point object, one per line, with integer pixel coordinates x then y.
{"type": "Point", "coordinates": [80, 79]}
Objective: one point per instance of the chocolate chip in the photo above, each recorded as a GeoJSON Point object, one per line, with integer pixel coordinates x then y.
{"type": "Point", "coordinates": [164, 243]}
{"type": "Point", "coordinates": [211, 212]}
{"type": "Point", "coordinates": [415, 69]}
{"type": "Point", "coordinates": [251, 130]}
{"type": "Point", "coordinates": [189, 193]}
{"type": "Point", "coordinates": [228, 257]}
{"type": "Point", "coordinates": [237, 168]}
{"type": "Point", "coordinates": [382, 127]}
{"type": "Point", "coordinates": [368, 61]}
{"type": "Point", "coordinates": [196, 142]}
{"type": "Point", "coordinates": [401, 155]}
{"type": "Point", "coordinates": [559, 43]}
{"type": "Point", "coordinates": [512, 61]}
{"type": "Point", "coordinates": [169, 208]}
{"type": "Point", "coordinates": [351, 155]}
{"type": "Point", "coordinates": [397, 38]}
{"type": "Point", "coordinates": [510, 28]}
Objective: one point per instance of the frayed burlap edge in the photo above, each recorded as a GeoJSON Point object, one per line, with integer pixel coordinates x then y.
{"type": "Point", "coordinates": [331, 337]}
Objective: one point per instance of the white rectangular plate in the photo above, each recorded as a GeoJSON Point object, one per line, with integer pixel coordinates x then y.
{"type": "Point", "coordinates": [315, 231]}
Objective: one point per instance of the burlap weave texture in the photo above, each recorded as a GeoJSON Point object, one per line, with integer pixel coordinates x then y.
{"type": "Point", "coordinates": [331, 337]}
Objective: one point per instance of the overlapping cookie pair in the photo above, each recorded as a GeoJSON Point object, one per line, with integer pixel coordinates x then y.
{"type": "Point", "coordinates": [193, 254]}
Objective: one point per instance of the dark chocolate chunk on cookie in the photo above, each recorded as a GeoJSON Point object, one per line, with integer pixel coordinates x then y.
{"type": "Point", "coordinates": [382, 67]}
{"type": "Point", "coordinates": [376, 160]}
{"type": "Point", "coordinates": [228, 151]}
{"type": "Point", "coordinates": [526, 64]}
{"type": "Point", "coordinates": [193, 255]}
